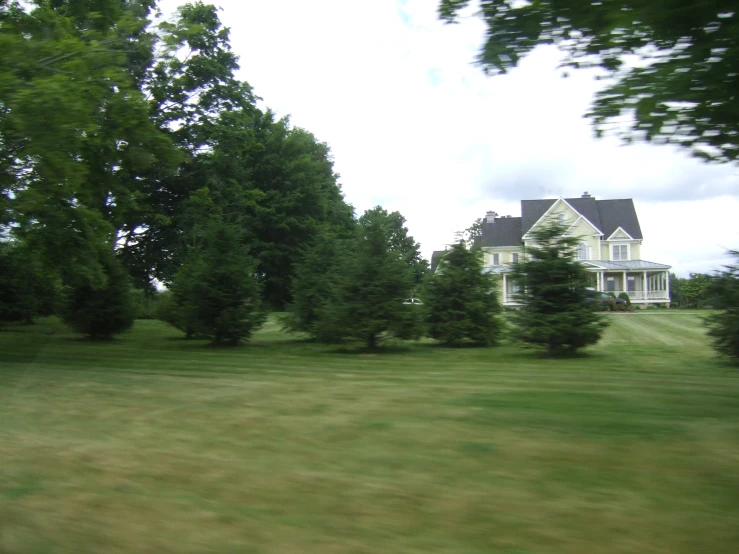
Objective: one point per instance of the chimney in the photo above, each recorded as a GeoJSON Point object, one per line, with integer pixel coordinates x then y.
{"type": "Point", "coordinates": [585, 195]}
{"type": "Point", "coordinates": [490, 216]}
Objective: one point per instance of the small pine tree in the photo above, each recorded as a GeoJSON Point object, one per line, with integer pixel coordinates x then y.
{"type": "Point", "coordinates": [100, 310]}
{"type": "Point", "coordinates": [723, 326]}
{"type": "Point", "coordinates": [461, 301]}
{"type": "Point", "coordinates": [556, 306]}
{"type": "Point", "coordinates": [215, 293]}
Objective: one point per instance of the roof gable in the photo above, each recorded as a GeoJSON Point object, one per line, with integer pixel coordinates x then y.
{"type": "Point", "coordinates": [620, 234]}
{"type": "Point", "coordinates": [619, 213]}
{"type": "Point", "coordinates": [534, 211]}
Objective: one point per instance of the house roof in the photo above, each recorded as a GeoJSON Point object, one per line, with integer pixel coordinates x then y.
{"type": "Point", "coordinates": [605, 215]}
{"type": "Point", "coordinates": [627, 265]}
{"type": "Point", "coordinates": [436, 257]}
{"type": "Point", "coordinates": [503, 231]}
{"type": "Point", "coordinates": [619, 213]}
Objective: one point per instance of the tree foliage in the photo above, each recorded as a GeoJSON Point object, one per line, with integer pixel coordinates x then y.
{"type": "Point", "coordinates": [99, 310]}
{"type": "Point", "coordinates": [215, 293]}
{"type": "Point", "coordinates": [473, 231]}
{"type": "Point", "coordinates": [693, 292]}
{"type": "Point", "coordinates": [358, 290]}
{"type": "Point", "coordinates": [723, 326]}
{"type": "Point", "coordinates": [27, 288]}
{"type": "Point", "coordinates": [461, 301]}
{"type": "Point", "coordinates": [672, 65]}
{"type": "Point", "coordinates": [557, 308]}
{"type": "Point", "coordinates": [317, 277]}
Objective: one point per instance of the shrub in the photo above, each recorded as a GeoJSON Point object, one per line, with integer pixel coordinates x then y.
{"type": "Point", "coordinates": [215, 293]}
{"type": "Point", "coordinates": [557, 307]}
{"type": "Point", "coordinates": [460, 300]}
{"type": "Point", "coordinates": [100, 310]}
{"type": "Point", "coordinates": [625, 296]}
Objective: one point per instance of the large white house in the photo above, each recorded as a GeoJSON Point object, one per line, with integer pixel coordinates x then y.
{"type": "Point", "coordinates": [610, 246]}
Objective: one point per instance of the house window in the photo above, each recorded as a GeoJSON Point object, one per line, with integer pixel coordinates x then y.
{"type": "Point", "coordinates": [610, 284]}
{"type": "Point", "coordinates": [496, 259]}
{"type": "Point", "coordinates": [560, 219]}
{"type": "Point", "coordinates": [582, 251]}
{"type": "Point", "coordinates": [631, 284]}
{"type": "Point", "coordinates": [514, 257]}
{"type": "Point", "coordinates": [620, 252]}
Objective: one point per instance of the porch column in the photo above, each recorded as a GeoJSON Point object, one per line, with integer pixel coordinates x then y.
{"type": "Point", "coordinates": [623, 285]}
{"type": "Point", "coordinates": [646, 286]}
{"type": "Point", "coordinates": [667, 285]}
{"type": "Point", "coordinates": [505, 291]}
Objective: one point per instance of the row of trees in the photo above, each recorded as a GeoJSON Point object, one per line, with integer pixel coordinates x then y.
{"type": "Point", "coordinates": [355, 287]}
{"type": "Point", "coordinates": [130, 154]}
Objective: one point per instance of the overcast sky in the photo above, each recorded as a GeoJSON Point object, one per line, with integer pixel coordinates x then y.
{"type": "Point", "coordinates": [416, 127]}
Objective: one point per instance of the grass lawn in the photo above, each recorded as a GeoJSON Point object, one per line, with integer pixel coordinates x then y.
{"type": "Point", "coordinates": [152, 444]}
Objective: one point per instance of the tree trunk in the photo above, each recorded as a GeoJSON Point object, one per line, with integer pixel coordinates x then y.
{"type": "Point", "coordinates": [372, 341]}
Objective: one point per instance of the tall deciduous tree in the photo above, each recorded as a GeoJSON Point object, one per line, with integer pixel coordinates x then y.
{"type": "Point", "coordinates": [557, 308]}
{"type": "Point", "coordinates": [461, 301]}
{"type": "Point", "coordinates": [75, 127]}
{"type": "Point", "coordinates": [672, 64]}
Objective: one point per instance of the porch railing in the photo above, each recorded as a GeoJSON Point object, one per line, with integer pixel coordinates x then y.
{"type": "Point", "coordinates": [639, 294]}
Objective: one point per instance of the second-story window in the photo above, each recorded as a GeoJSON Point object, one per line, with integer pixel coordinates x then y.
{"type": "Point", "coordinates": [514, 257]}
{"type": "Point", "coordinates": [620, 252]}
{"type": "Point", "coordinates": [582, 251]}
{"type": "Point", "coordinates": [496, 259]}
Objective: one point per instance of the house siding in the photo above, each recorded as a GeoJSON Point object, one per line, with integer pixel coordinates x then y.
{"type": "Point", "coordinates": [585, 232]}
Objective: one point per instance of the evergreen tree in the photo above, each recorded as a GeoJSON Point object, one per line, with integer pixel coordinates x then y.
{"type": "Point", "coordinates": [376, 270]}
{"type": "Point", "coordinates": [461, 301]}
{"type": "Point", "coordinates": [724, 325]}
{"type": "Point", "coordinates": [316, 280]}
{"type": "Point", "coordinates": [215, 293]}
{"type": "Point", "coordinates": [100, 310]}
{"type": "Point", "coordinates": [557, 308]}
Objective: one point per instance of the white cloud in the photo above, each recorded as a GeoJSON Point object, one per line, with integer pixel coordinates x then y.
{"type": "Point", "coordinates": [416, 127]}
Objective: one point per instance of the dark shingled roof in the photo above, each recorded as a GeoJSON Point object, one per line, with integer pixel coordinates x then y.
{"type": "Point", "coordinates": [504, 231]}
{"type": "Point", "coordinates": [588, 208]}
{"type": "Point", "coordinates": [532, 210]}
{"type": "Point", "coordinates": [619, 213]}
{"type": "Point", "coordinates": [436, 257]}
{"type": "Point", "coordinates": [606, 215]}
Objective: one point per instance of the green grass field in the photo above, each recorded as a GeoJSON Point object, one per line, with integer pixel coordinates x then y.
{"type": "Point", "coordinates": [152, 444]}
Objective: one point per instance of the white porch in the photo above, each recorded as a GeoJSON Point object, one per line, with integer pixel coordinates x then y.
{"type": "Point", "coordinates": [644, 282]}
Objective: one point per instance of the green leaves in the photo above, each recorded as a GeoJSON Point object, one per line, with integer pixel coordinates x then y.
{"type": "Point", "coordinates": [461, 301]}
{"type": "Point", "coordinates": [723, 326]}
{"type": "Point", "coordinates": [557, 310]}
{"type": "Point", "coordinates": [354, 285]}
{"type": "Point", "coordinates": [679, 84]}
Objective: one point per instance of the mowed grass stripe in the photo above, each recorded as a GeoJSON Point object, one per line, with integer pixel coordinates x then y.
{"type": "Point", "coordinates": [154, 444]}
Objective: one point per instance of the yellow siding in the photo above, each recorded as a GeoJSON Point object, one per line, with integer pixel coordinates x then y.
{"type": "Point", "coordinates": [584, 231]}
{"type": "Point", "coordinates": [605, 253]}
{"type": "Point", "coordinates": [635, 251]}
